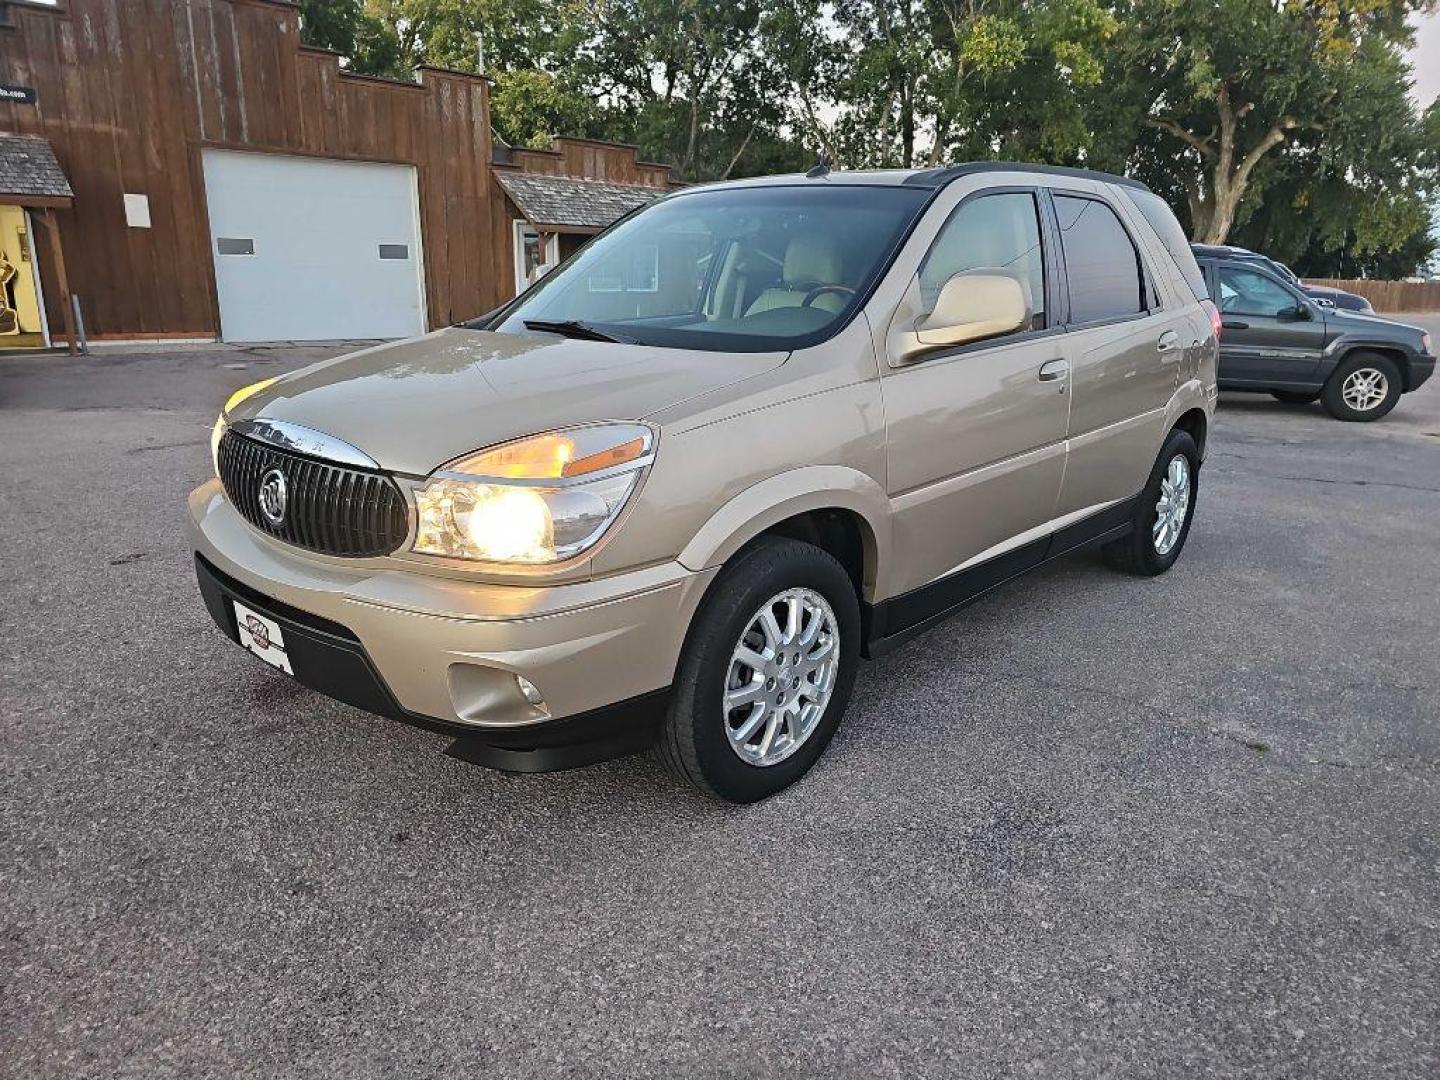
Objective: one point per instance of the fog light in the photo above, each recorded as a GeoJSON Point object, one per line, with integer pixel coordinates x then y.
{"type": "Point", "coordinates": [529, 690]}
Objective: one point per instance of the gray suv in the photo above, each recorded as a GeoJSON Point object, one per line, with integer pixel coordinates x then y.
{"type": "Point", "coordinates": [1276, 339]}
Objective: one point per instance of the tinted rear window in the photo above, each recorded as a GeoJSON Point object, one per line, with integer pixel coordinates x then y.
{"type": "Point", "coordinates": [1155, 210]}
{"type": "Point", "coordinates": [1101, 263]}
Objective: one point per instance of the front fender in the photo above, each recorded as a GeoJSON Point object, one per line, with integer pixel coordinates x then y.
{"type": "Point", "coordinates": [784, 495]}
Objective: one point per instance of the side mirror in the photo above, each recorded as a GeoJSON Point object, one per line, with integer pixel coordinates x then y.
{"type": "Point", "coordinates": [1321, 301]}
{"type": "Point", "coordinates": [1298, 313]}
{"type": "Point", "coordinates": [972, 306]}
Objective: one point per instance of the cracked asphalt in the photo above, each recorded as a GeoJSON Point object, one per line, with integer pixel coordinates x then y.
{"type": "Point", "coordinates": [1094, 827]}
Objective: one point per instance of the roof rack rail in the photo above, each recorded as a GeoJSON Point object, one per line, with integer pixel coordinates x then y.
{"type": "Point", "coordinates": [942, 175]}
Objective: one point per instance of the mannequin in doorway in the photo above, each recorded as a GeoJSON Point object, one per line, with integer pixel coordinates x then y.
{"type": "Point", "coordinates": [9, 317]}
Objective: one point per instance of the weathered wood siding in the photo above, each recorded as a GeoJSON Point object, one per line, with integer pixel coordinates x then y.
{"type": "Point", "coordinates": [130, 91]}
{"type": "Point", "coordinates": [1389, 295]}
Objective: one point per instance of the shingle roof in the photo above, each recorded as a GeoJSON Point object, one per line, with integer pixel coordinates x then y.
{"type": "Point", "coordinates": [28, 167]}
{"type": "Point", "coordinates": [568, 202]}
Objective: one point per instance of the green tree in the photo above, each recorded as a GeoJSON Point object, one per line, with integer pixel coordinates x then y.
{"type": "Point", "coordinates": [1218, 91]}
{"type": "Point", "coordinates": [916, 82]}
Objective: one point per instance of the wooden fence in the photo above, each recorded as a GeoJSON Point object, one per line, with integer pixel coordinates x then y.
{"type": "Point", "coordinates": [1390, 295]}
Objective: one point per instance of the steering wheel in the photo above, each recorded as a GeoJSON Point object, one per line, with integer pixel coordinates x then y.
{"type": "Point", "coordinates": [820, 290]}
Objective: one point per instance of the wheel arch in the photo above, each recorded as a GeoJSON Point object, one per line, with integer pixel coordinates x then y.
{"type": "Point", "coordinates": [1190, 409]}
{"type": "Point", "coordinates": [841, 510]}
{"type": "Point", "coordinates": [1388, 350]}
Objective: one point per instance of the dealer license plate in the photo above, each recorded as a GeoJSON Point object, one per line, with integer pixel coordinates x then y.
{"type": "Point", "coordinates": [262, 637]}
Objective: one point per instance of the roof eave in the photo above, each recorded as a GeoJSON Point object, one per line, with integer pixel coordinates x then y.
{"type": "Point", "coordinates": [35, 202]}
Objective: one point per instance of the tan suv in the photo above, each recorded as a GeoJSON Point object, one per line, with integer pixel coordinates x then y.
{"type": "Point", "coordinates": [672, 494]}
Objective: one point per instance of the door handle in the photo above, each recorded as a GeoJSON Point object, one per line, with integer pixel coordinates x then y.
{"type": "Point", "coordinates": [1234, 324]}
{"type": "Point", "coordinates": [1169, 342]}
{"type": "Point", "coordinates": [1055, 369]}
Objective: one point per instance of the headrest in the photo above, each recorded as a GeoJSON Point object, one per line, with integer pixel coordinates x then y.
{"type": "Point", "coordinates": [812, 258]}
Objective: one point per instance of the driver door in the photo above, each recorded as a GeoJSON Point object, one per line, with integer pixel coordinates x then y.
{"type": "Point", "coordinates": [976, 432]}
{"type": "Point", "coordinates": [1271, 334]}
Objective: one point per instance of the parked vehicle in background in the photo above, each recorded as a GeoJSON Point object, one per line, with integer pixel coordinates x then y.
{"type": "Point", "coordinates": [1324, 294]}
{"type": "Point", "coordinates": [675, 491]}
{"type": "Point", "coordinates": [1276, 339]}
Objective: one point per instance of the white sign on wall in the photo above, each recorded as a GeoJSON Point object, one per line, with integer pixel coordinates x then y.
{"type": "Point", "coordinates": [137, 211]}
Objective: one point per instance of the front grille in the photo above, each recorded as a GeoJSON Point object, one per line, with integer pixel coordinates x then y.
{"type": "Point", "coordinates": [328, 508]}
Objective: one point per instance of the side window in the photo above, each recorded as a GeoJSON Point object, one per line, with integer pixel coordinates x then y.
{"type": "Point", "coordinates": [1249, 292]}
{"type": "Point", "coordinates": [993, 232]}
{"type": "Point", "coordinates": [1101, 264]}
{"type": "Point", "coordinates": [1157, 212]}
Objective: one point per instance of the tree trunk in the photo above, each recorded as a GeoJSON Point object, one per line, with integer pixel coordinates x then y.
{"type": "Point", "coordinates": [907, 127]}
{"type": "Point", "coordinates": [1224, 180]}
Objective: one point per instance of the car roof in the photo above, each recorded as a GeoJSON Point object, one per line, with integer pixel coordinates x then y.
{"type": "Point", "coordinates": [930, 179]}
{"type": "Point", "coordinates": [1223, 250]}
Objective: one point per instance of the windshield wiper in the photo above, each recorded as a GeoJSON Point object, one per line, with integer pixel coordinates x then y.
{"type": "Point", "coordinates": [574, 328]}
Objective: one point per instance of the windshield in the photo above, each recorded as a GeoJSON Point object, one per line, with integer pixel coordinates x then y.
{"type": "Point", "coordinates": [732, 269]}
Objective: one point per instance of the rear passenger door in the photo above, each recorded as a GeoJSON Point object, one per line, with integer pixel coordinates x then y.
{"type": "Point", "coordinates": [1124, 346]}
{"type": "Point", "coordinates": [1272, 335]}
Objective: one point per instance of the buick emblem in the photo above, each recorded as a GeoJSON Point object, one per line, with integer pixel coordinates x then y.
{"type": "Point", "coordinates": [258, 631]}
{"type": "Point", "coordinates": [272, 497]}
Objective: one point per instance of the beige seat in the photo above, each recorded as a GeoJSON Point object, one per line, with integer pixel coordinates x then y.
{"type": "Point", "coordinates": [810, 261]}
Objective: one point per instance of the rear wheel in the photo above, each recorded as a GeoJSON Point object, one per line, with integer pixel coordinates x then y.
{"type": "Point", "coordinates": [766, 672]}
{"type": "Point", "coordinates": [1364, 387]}
{"type": "Point", "coordinates": [1296, 397]}
{"type": "Point", "coordinates": [1163, 513]}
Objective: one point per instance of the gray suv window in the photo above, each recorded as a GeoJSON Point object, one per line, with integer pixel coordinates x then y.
{"type": "Point", "coordinates": [1155, 211]}
{"type": "Point", "coordinates": [1000, 231]}
{"type": "Point", "coordinates": [1249, 292]}
{"type": "Point", "coordinates": [1101, 264]}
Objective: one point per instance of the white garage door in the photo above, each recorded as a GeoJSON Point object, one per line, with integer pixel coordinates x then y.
{"type": "Point", "coordinates": [309, 249]}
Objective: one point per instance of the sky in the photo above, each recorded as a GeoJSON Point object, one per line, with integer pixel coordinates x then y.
{"type": "Point", "coordinates": [1425, 60]}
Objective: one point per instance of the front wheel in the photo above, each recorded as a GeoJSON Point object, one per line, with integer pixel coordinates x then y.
{"type": "Point", "coordinates": [1163, 512]}
{"type": "Point", "coordinates": [766, 672]}
{"type": "Point", "coordinates": [1365, 386]}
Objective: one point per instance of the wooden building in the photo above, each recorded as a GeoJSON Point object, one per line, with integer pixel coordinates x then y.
{"type": "Point", "coordinates": [229, 182]}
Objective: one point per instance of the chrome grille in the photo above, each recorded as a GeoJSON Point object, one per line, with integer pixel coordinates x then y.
{"type": "Point", "coordinates": [329, 508]}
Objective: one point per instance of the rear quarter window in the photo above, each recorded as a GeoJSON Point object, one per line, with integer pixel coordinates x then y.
{"type": "Point", "coordinates": [1161, 218]}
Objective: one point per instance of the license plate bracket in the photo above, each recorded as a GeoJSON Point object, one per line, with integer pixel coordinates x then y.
{"type": "Point", "coordinates": [263, 637]}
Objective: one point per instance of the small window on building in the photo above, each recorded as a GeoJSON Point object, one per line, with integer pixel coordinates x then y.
{"type": "Point", "coordinates": [529, 256]}
{"type": "Point", "coordinates": [1101, 264]}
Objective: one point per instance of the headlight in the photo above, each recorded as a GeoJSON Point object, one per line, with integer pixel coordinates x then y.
{"type": "Point", "coordinates": [541, 499]}
{"type": "Point", "coordinates": [218, 431]}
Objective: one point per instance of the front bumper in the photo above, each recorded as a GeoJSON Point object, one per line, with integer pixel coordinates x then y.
{"type": "Point", "coordinates": [443, 653]}
{"type": "Point", "coordinates": [1421, 368]}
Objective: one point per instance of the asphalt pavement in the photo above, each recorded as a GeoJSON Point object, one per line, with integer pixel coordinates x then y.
{"type": "Point", "coordinates": [1096, 826]}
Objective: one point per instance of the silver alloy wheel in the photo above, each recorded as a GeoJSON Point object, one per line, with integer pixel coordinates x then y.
{"type": "Point", "coordinates": [1364, 388]}
{"type": "Point", "coordinates": [1174, 505]}
{"type": "Point", "coordinates": [781, 676]}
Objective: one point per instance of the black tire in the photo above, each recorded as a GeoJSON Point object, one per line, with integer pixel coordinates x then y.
{"type": "Point", "coordinates": [693, 742]}
{"type": "Point", "coordinates": [1296, 397]}
{"type": "Point", "coordinates": [1136, 552]}
{"type": "Point", "coordinates": [1333, 395]}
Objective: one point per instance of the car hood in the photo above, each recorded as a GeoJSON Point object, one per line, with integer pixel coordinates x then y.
{"type": "Point", "coordinates": [1345, 320]}
{"type": "Point", "coordinates": [415, 405]}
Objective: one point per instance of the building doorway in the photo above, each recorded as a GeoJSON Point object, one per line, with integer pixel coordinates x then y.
{"type": "Point", "coordinates": [22, 302]}
{"type": "Point", "coordinates": [530, 254]}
